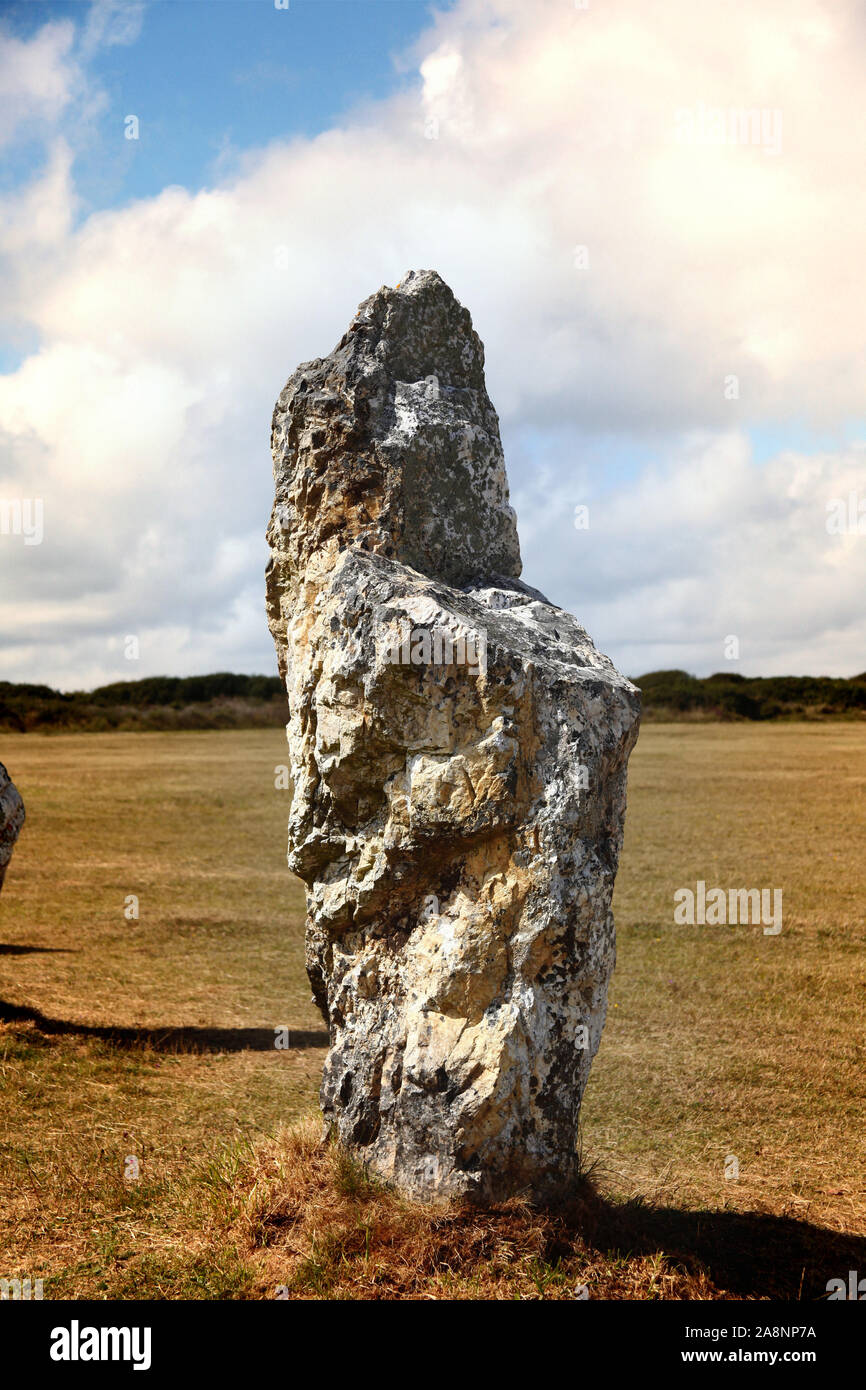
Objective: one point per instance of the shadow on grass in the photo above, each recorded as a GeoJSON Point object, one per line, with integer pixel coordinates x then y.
{"type": "Point", "coordinates": [165, 1039]}
{"type": "Point", "coordinates": [6, 950]}
{"type": "Point", "coordinates": [747, 1254]}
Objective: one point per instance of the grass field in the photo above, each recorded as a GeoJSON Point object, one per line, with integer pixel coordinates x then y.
{"type": "Point", "coordinates": [153, 1039]}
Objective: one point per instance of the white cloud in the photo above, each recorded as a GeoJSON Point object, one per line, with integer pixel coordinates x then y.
{"type": "Point", "coordinates": [709, 545]}
{"type": "Point", "coordinates": [110, 23]}
{"type": "Point", "coordinates": [38, 79]}
{"type": "Point", "coordinates": [167, 328]}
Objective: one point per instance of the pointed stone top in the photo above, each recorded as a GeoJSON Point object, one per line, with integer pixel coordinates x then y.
{"type": "Point", "coordinates": [391, 444]}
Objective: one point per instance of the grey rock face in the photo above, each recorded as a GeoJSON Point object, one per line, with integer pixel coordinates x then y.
{"type": "Point", "coordinates": [458, 752]}
{"type": "Point", "coordinates": [11, 820]}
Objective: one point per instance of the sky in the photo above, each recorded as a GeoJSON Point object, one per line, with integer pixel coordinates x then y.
{"type": "Point", "coordinates": [653, 210]}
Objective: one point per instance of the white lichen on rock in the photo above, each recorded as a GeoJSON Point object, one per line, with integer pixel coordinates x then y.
{"type": "Point", "coordinates": [458, 755]}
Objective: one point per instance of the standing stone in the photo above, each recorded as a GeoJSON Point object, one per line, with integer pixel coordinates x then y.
{"type": "Point", "coordinates": [458, 755]}
{"type": "Point", "coordinates": [11, 819]}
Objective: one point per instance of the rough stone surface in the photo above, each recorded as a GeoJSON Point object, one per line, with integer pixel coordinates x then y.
{"type": "Point", "coordinates": [457, 816]}
{"type": "Point", "coordinates": [11, 819]}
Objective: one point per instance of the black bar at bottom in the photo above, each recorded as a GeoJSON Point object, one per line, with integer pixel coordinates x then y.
{"type": "Point", "coordinates": [80, 1341]}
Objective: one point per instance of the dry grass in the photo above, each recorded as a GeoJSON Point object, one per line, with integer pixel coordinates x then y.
{"type": "Point", "coordinates": [721, 1040]}
{"type": "Point", "coordinates": [326, 1229]}
{"type": "Point", "coordinates": [154, 1039]}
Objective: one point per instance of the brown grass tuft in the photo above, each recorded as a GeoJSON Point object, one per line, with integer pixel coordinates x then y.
{"type": "Point", "coordinates": [320, 1226]}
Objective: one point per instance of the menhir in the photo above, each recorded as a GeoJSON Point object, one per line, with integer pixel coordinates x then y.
{"type": "Point", "coordinates": [11, 820]}
{"type": "Point", "coordinates": [458, 754]}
